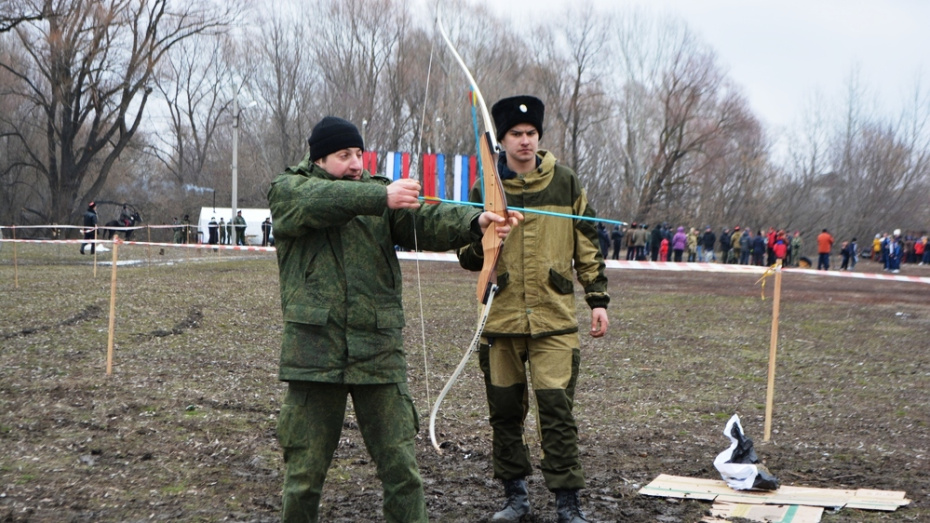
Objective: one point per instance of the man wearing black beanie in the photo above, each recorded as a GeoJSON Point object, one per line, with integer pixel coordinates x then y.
{"type": "Point", "coordinates": [533, 327]}
{"type": "Point", "coordinates": [336, 226]}
{"type": "Point", "coordinates": [332, 134]}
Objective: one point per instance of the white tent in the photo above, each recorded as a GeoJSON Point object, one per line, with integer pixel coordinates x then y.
{"type": "Point", "coordinates": [253, 223]}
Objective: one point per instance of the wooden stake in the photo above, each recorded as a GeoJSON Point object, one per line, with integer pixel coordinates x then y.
{"type": "Point", "coordinates": [15, 266]}
{"type": "Point", "coordinates": [148, 248]}
{"type": "Point", "coordinates": [112, 326]}
{"type": "Point", "coordinates": [773, 346]}
{"type": "Point", "coordinates": [94, 248]}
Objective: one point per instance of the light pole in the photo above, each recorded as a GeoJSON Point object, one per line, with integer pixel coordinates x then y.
{"type": "Point", "coordinates": [364, 126]}
{"type": "Point", "coordinates": [235, 151]}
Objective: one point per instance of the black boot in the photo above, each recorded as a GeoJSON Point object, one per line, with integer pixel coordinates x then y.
{"type": "Point", "coordinates": [568, 507]}
{"type": "Point", "coordinates": [517, 503]}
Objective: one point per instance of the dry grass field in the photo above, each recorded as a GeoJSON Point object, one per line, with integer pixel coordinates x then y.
{"type": "Point", "coordinates": [184, 428]}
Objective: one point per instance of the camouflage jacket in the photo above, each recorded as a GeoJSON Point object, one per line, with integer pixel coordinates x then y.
{"type": "Point", "coordinates": [736, 242]}
{"type": "Point", "coordinates": [339, 274]}
{"type": "Point", "coordinates": [536, 296]}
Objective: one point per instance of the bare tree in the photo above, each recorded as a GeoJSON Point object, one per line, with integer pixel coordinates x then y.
{"type": "Point", "coordinates": [89, 77]}
{"type": "Point", "coordinates": [16, 12]}
{"type": "Point", "coordinates": [286, 83]}
{"type": "Point", "coordinates": [195, 82]}
{"type": "Point", "coordinates": [569, 67]}
{"type": "Point", "coordinates": [354, 42]}
{"type": "Point", "coordinates": [636, 104]}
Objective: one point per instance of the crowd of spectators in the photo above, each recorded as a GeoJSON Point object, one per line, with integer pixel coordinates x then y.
{"type": "Point", "coordinates": [891, 250]}
{"type": "Point", "coordinates": [745, 246]}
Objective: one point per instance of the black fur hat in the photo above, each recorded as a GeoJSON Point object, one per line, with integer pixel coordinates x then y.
{"type": "Point", "coordinates": [509, 112]}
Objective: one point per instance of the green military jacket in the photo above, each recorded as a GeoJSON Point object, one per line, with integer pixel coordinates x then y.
{"type": "Point", "coordinates": [339, 274]}
{"type": "Point", "coordinates": [536, 296]}
{"type": "Point", "coordinates": [734, 241]}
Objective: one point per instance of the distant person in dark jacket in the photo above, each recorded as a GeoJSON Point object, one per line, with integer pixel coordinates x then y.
{"type": "Point", "coordinates": [707, 242]}
{"type": "Point", "coordinates": [266, 231]}
{"type": "Point", "coordinates": [655, 242]}
{"type": "Point", "coordinates": [745, 246]}
{"type": "Point", "coordinates": [617, 238]}
{"type": "Point", "coordinates": [725, 246]}
{"type": "Point", "coordinates": [758, 248]}
{"type": "Point", "coordinates": [90, 227]}
{"type": "Point", "coordinates": [604, 239]}
{"type": "Point", "coordinates": [214, 230]}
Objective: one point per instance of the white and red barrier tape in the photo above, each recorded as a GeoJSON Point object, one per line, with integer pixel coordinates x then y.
{"type": "Point", "coordinates": [99, 227]}
{"type": "Point", "coordinates": [611, 264]}
{"type": "Point", "coordinates": [697, 267]}
{"type": "Point", "coordinates": [153, 244]}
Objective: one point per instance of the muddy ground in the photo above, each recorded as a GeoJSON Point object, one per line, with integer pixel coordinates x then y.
{"type": "Point", "coordinates": [184, 428]}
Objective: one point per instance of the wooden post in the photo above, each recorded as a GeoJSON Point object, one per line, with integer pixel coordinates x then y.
{"type": "Point", "coordinates": [112, 326]}
{"type": "Point", "coordinates": [15, 265]}
{"type": "Point", "coordinates": [773, 346]}
{"type": "Point", "coordinates": [148, 248]}
{"type": "Point", "coordinates": [94, 248]}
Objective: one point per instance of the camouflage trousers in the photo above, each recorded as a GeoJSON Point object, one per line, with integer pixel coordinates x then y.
{"type": "Point", "coordinates": [309, 428]}
{"type": "Point", "coordinates": [552, 363]}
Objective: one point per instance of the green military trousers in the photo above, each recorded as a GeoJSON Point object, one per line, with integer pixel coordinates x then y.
{"type": "Point", "coordinates": [552, 363]}
{"type": "Point", "coordinates": [309, 428]}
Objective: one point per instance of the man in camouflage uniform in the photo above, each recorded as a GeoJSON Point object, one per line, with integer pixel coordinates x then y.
{"type": "Point", "coordinates": [640, 237]}
{"type": "Point", "coordinates": [186, 229]}
{"type": "Point", "coordinates": [794, 249]}
{"type": "Point", "coordinates": [335, 231]}
{"type": "Point", "coordinates": [223, 240]}
{"type": "Point", "coordinates": [240, 224]}
{"type": "Point", "coordinates": [533, 321]}
{"type": "Point", "coordinates": [692, 245]}
{"type": "Point", "coordinates": [736, 244]}
{"type": "Point", "coordinates": [178, 230]}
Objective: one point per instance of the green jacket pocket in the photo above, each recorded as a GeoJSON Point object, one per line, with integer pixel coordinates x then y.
{"type": "Point", "coordinates": [390, 318]}
{"type": "Point", "coordinates": [560, 283]}
{"type": "Point", "coordinates": [306, 314]}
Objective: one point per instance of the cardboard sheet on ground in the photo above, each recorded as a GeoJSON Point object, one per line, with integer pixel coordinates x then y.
{"type": "Point", "coordinates": [718, 491]}
{"type": "Point", "coordinates": [721, 512]}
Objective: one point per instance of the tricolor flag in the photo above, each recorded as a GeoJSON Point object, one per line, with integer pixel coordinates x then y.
{"type": "Point", "coordinates": [370, 161]}
{"type": "Point", "coordinates": [464, 171]}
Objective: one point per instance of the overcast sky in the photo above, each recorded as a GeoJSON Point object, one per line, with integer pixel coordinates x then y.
{"type": "Point", "coordinates": [783, 51]}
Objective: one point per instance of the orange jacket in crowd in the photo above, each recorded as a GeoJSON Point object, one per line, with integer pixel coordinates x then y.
{"type": "Point", "coordinates": [824, 242]}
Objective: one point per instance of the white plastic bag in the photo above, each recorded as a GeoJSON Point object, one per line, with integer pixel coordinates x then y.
{"type": "Point", "coordinates": [739, 466]}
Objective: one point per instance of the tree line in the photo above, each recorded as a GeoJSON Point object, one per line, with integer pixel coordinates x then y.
{"type": "Point", "coordinates": [133, 101]}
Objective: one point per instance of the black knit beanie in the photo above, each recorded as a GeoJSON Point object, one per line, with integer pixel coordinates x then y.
{"type": "Point", "coordinates": [333, 134]}
{"type": "Point", "coordinates": [509, 112]}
